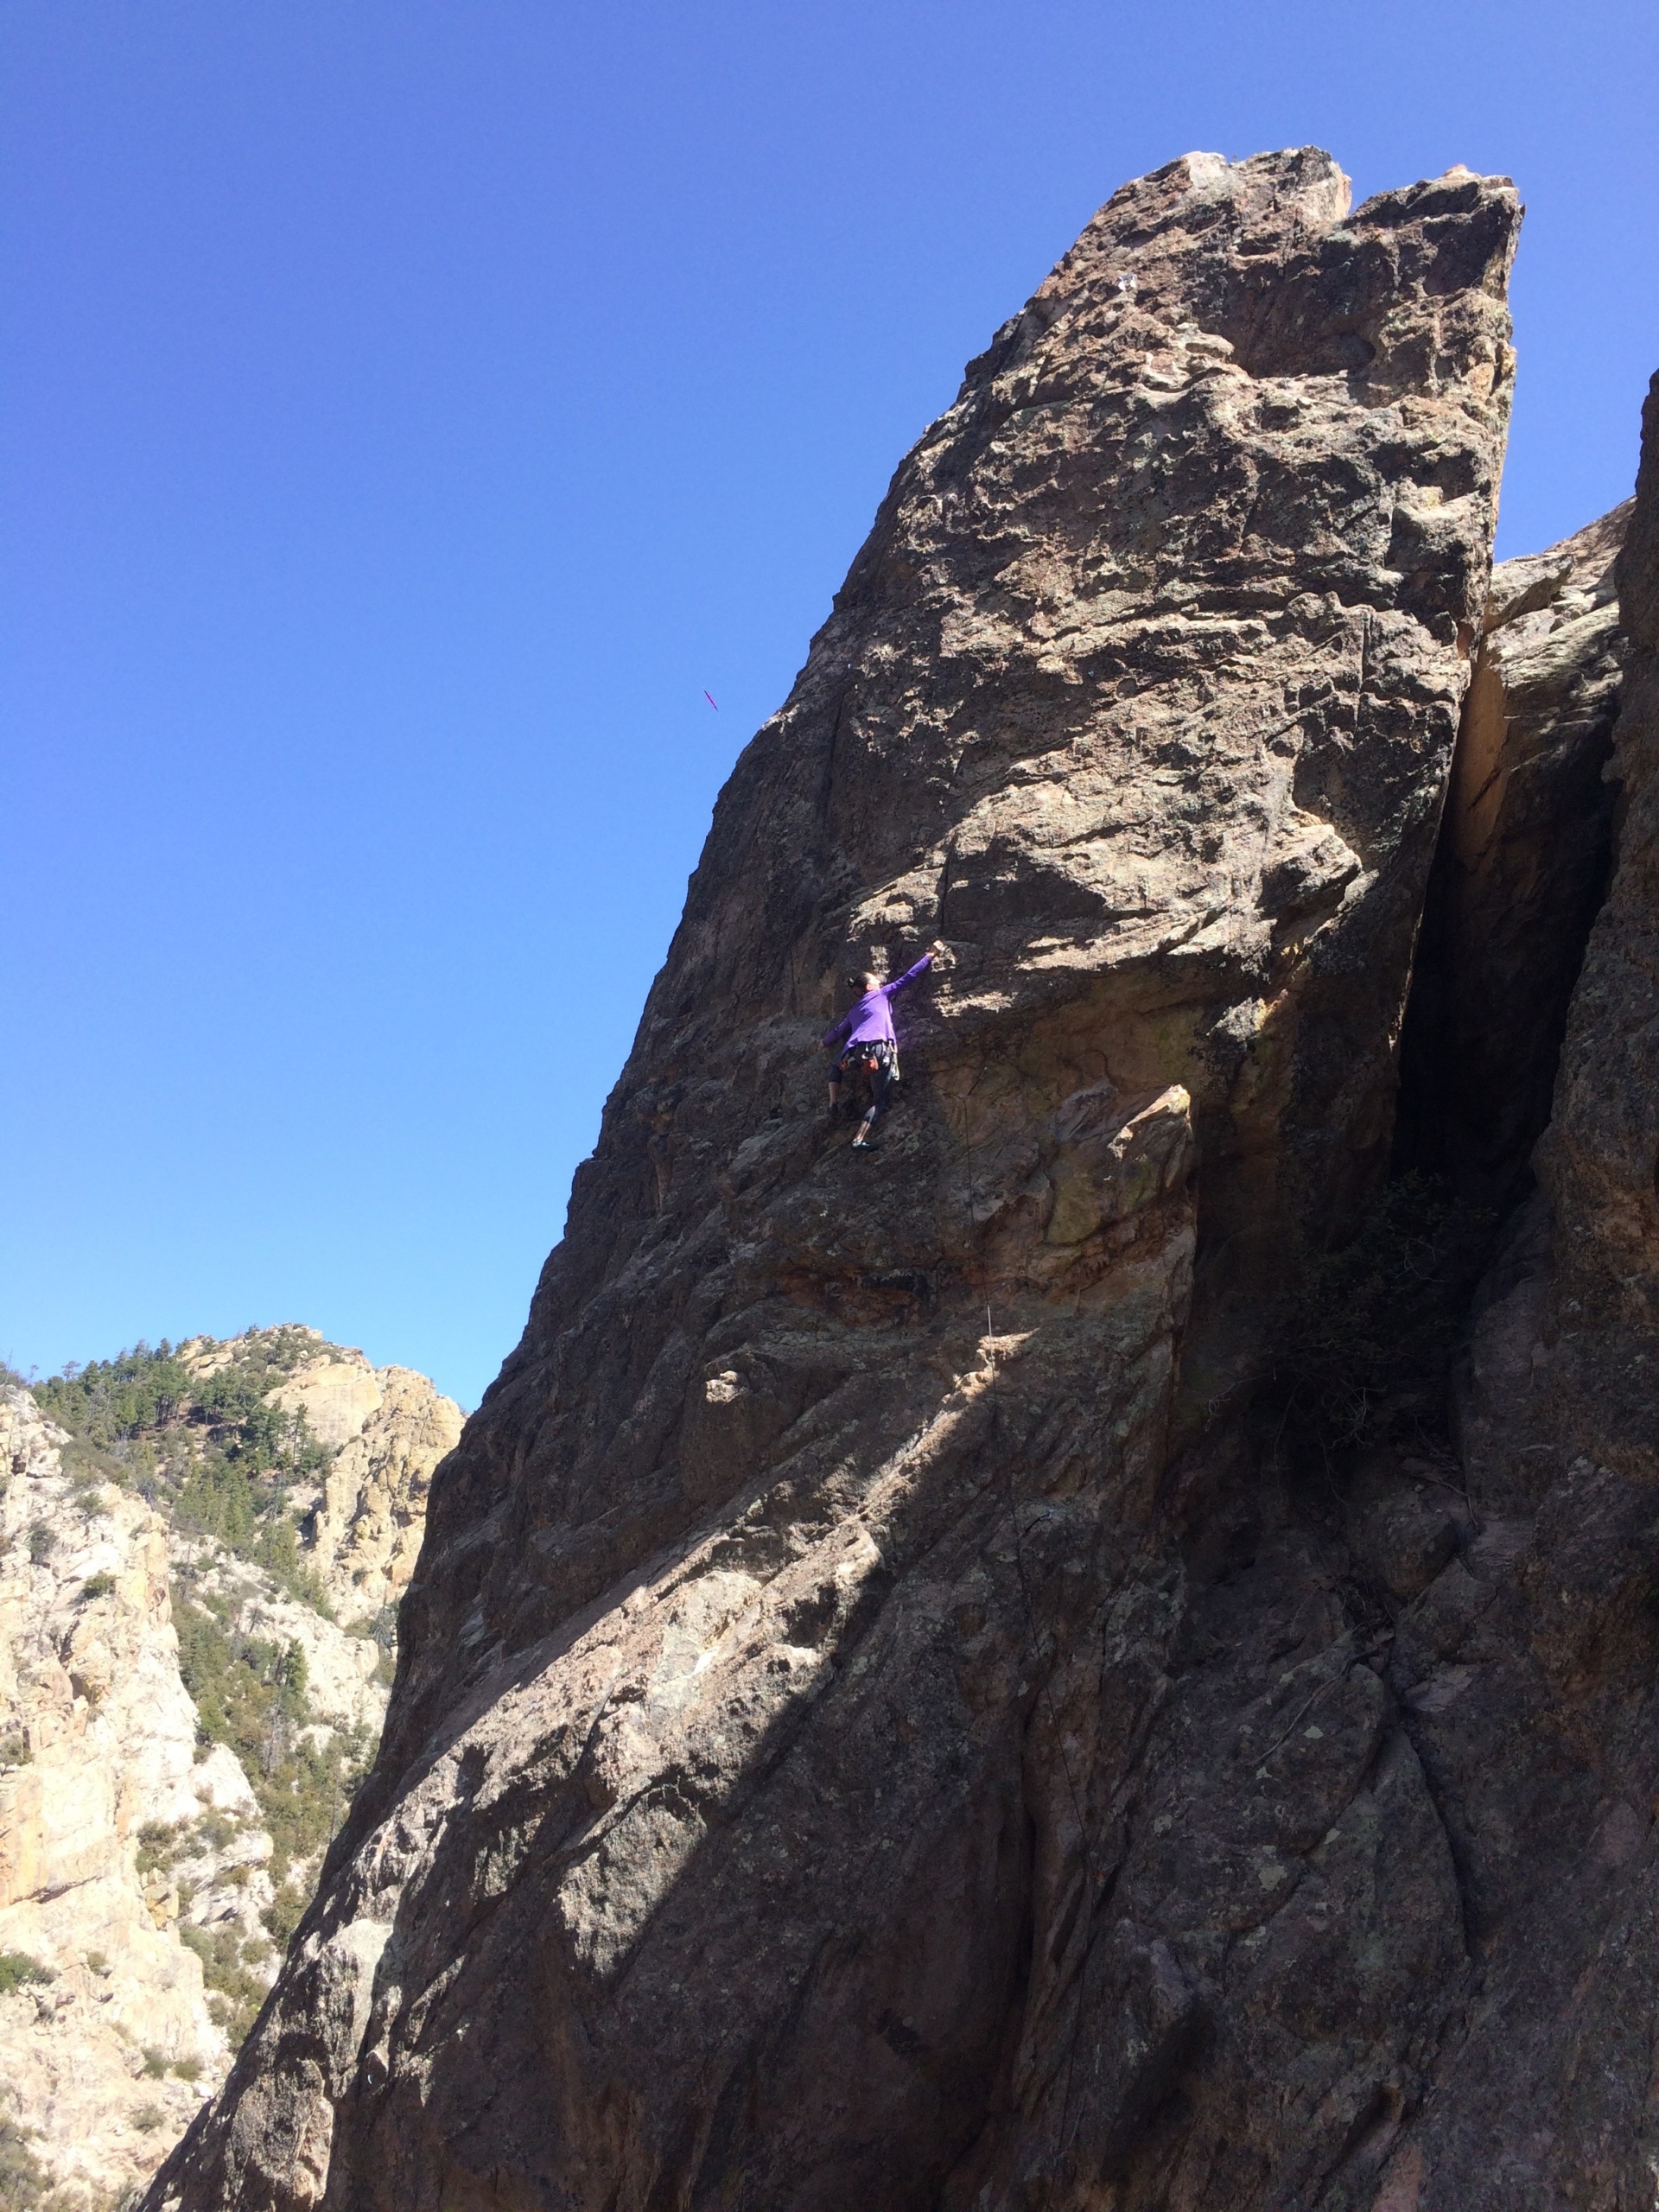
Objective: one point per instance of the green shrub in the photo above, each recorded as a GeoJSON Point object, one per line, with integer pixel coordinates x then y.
{"type": "Point", "coordinates": [98, 1962]}
{"type": "Point", "coordinates": [116, 1398]}
{"type": "Point", "coordinates": [282, 1916]}
{"type": "Point", "coordinates": [233, 1995]}
{"type": "Point", "coordinates": [119, 1407]}
{"type": "Point", "coordinates": [149, 2118]}
{"type": "Point", "coordinates": [97, 1586]}
{"type": "Point", "coordinates": [157, 1841]}
{"type": "Point", "coordinates": [216, 1499]}
{"type": "Point", "coordinates": [42, 1543]}
{"type": "Point", "coordinates": [276, 1549]}
{"type": "Point", "coordinates": [187, 2069]}
{"type": "Point", "coordinates": [155, 2065]}
{"type": "Point", "coordinates": [17, 1969]}
{"type": "Point", "coordinates": [251, 1694]}
{"type": "Point", "coordinates": [24, 2182]}
{"type": "Point", "coordinates": [215, 1830]}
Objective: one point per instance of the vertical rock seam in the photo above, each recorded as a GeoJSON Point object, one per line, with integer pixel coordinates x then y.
{"type": "Point", "coordinates": [1522, 869]}
{"type": "Point", "coordinates": [810, 1779]}
{"type": "Point", "coordinates": [1527, 1666]}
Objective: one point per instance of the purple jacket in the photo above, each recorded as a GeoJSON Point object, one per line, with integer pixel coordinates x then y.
{"type": "Point", "coordinates": [872, 1018]}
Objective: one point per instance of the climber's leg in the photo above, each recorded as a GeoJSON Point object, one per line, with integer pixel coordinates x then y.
{"type": "Point", "coordinates": [881, 1076]}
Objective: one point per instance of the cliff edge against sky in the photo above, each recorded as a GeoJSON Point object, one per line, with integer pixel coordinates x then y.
{"type": "Point", "coordinates": [889, 1712]}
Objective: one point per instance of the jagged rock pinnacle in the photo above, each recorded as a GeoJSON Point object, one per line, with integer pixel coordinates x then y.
{"type": "Point", "coordinates": [805, 1784]}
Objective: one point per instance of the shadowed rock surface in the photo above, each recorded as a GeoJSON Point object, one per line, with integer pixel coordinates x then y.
{"type": "Point", "coordinates": [1529, 1665]}
{"type": "Point", "coordinates": [1525, 850]}
{"type": "Point", "coordinates": [875, 1724]}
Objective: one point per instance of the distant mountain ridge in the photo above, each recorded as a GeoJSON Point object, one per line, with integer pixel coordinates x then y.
{"type": "Point", "coordinates": [201, 1547]}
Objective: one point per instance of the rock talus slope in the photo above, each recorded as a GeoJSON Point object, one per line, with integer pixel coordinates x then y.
{"type": "Point", "coordinates": [850, 1744]}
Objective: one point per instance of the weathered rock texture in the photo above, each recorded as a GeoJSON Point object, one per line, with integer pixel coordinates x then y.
{"type": "Point", "coordinates": [867, 1731]}
{"type": "Point", "coordinates": [126, 1835]}
{"type": "Point", "coordinates": [1528, 1667]}
{"type": "Point", "coordinates": [389, 1428]}
{"type": "Point", "coordinates": [97, 1737]}
{"type": "Point", "coordinates": [1523, 866]}
{"type": "Point", "coordinates": [385, 1428]}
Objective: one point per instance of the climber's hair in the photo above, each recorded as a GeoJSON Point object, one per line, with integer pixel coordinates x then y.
{"type": "Point", "coordinates": [862, 982]}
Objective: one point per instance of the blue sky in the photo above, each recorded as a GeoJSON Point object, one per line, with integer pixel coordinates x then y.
{"type": "Point", "coordinates": [408, 409]}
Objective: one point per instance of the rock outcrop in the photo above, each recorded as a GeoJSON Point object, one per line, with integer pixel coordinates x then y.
{"type": "Point", "coordinates": [1523, 866]}
{"type": "Point", "coordinates": [388, 1429]}
{"type": "Point", "coordinates": [875, 1722]}
{"type": "Point", "coordinates": [140, 1878]}
{"type": "Point", "coordinates": [97, 1738]}
{"type": "Point", "coordinates": [1527, 1666]}
{"type": "Point", "coordinates": [381, 1430]}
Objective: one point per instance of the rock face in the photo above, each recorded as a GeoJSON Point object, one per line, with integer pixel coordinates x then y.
{"type": "Point", "coordinates": [1528, 1666]}
{"type": "Point", "coordinates": [140, 1878]}
{"type": "Point", "coordinates": [1523, 866]}
{"type": "Point", "coordinates": [1597, 1162]}
{"type": "Point", "coordinates": [874, 1723]}
{"type": "Point", "coordinates": [97, 1737]}
{"type": "Point", "coordinates": [383, 1431]}
{"type": "Point", "coordinates": [389, 1428]}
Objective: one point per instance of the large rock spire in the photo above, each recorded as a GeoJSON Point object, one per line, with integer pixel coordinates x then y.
{"type": "Point", "coordinates": [818, 1773]}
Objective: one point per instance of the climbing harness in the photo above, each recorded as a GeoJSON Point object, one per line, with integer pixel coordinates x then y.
{"type": "Point", "coordinates": [873, 1056]}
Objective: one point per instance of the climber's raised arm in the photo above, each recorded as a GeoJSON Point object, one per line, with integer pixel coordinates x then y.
{"type": "Point", "coordinates": [909, 975]}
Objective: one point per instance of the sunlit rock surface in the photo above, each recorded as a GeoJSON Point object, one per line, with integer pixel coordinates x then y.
{"type": "Point", "coordinates": [389, 1428]}
{"type": "Point", "coordinates": [98, 1736]}
{"type": "Point", "coordinates": [127, 1835]}
{"type": "Point", "coordinates": [869, 1729]}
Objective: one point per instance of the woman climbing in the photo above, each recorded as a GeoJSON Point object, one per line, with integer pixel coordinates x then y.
{"type": "Point", "coordinates": [863, 1041]}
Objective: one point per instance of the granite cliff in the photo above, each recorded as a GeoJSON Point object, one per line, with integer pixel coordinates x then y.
{"type": "Point", "coordinates": [381, 1431]}
{"type": "Point", "coordinates": [99, 1740]}
{"type": "Point", "coordinates": [882, 1717]}
{"type": "Point", "coordinates": [190, 1677]}
{"type": "Point", "coordinates": [1100, 1658]}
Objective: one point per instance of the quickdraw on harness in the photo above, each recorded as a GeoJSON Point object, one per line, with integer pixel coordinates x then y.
{"type": "Point", "coordinates": [872, 1054]}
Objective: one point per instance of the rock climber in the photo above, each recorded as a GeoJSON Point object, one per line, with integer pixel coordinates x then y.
{"type": "Point", "coordinates": [863, 1042]}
